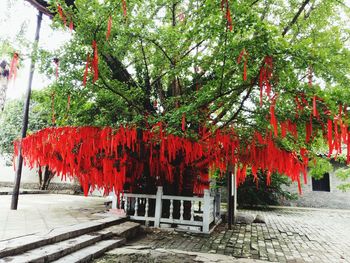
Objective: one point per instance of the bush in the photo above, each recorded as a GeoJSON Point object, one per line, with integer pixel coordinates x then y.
{"type": "Point", "coordinates": [252, 193]}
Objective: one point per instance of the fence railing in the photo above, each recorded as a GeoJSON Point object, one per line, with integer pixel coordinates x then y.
{"type": "Point", "coordinates": [195, 213]}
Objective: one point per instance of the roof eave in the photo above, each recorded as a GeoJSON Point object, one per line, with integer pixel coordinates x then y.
{"type": "Point", "coordinates": [42, 6]}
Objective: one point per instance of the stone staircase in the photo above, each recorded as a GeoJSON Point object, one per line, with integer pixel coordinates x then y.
{"type": "Point", "coordinates": [76, 243]}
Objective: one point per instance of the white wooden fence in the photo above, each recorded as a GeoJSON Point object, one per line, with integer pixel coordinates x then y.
{"type": "Point", "coordinates": [194, 213]}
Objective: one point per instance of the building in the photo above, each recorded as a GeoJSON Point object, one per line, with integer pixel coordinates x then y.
{"type": "Point", "coordinates": [323, 193]}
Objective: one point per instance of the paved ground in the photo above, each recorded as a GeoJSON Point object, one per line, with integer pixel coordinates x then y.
{"type": "Point", "coordinates": [37, 213]}
{"type": "Point", "coordinates": [290, 235]}
{"type": "Point", "coordinates": [144, 254]}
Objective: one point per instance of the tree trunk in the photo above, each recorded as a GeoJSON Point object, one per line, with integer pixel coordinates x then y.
{"type": "Point", "coordinates": [44, 180]}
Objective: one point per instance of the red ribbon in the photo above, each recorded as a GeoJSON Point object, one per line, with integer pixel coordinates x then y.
{"type": "Point", "coordinates": [183, 126]}
{"type": "Point", "coordinates": [109, 27]}
{"type": "Point", "coordinates": [265, 76]}
{"type": "Point", "coordinates": [224, 4]}
{"type": "Point", "coordinates": [229, 19]}
{"type": "Point", "coordinates": [305, 158]}
{"type": "Point", "coordinates": [60, 12]}
{"type": "Point", "coordinates": [13, 66]}
{"type": "Point", "coordinates": [243, 55]}
{"type": "Point", "coordinates": [314, 106]}
{"type": "Point", "coordinates": [124, 8]}
{"type": "Point", "coordinates": [330, 137]}
{"type": "Point", "coordinates": [71, 25]}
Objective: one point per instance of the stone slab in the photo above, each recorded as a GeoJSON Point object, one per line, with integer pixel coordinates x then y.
{"type": "Point", "coordinates": [127, 230]}
{"type": "Point", "coordinates": [91, 252]}
{"type": "Point", "coordinates": [54, 251]}
{"type": "Point", "coordinates": [19, 245]}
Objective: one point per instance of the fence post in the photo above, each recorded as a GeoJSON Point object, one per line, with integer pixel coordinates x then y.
{"type": "Point", "coordinates": [158, 212]}
{"type": "Point", "coordinates": [206, 211]}
{"type": "Point", "coordinates": [217, 205]}
{"type": "Point", "coordinates": [113, 197]}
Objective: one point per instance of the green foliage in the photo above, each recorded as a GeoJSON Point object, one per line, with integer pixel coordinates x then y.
{"type": "Point", "coordinates": [151, 56]}
{"type": "Point", "coordinates": [320, 167]}
{"type": "Point", "coordinates": [344, 187]}
{"type": "Point", "coordinates": [344, 175]}
{"type": "Point", "coordinates": [11, 122]}
{"type": "Point", "coordinates": [252, 193]}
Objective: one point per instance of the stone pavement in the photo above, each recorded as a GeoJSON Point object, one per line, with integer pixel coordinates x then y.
{"type": "Point", "coordinates": [144, 254]}
{"type": "Point", "coordinates": [289, 235]}
{"type": "Point", "coordinates": [38, 213]}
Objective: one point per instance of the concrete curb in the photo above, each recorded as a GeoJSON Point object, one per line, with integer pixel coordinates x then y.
{"type": "Point", "coordinates": [22, 192]}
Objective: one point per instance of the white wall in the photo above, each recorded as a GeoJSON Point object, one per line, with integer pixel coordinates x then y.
{"type": "Point", "coordinates": [7, 174]}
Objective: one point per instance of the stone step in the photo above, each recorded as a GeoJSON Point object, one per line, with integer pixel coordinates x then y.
{"type": "Point", "coordinates": [20, 245]}
{"type": "Point", "coordinates": [89, 253]}
{"type": "Point", "coordinates": [54, 251]}
{"type": "Point", "coordinates": [127, 230]}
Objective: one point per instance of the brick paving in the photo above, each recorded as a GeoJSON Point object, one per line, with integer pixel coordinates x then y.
{"type": "Point", "coordinates": [289, 235]}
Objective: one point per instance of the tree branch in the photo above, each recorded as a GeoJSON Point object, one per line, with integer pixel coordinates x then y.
{"type": "Point", "coordinates": [191, 49]}
{"type": "Point", "coordinates": [147, 80]}
{"type": "Point", "coordinates": [234, 116]}
{"type": "Point", "coordinates": [160, 47]}
{"type": "Point", "coordinates": [295, 18]}
{"type": "Point", "coordinates": [119, 72]}
{"type": "Point", "coordinates": [129, 102]}
{"type": "Point", "coordinates": [255, 2]}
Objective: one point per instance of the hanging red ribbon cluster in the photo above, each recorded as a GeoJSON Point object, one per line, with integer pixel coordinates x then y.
{"type": "Point", "coordinates": [265, 76]}
{"type": "Point", "coordinates": [263, 154]}
{"type": "Point", "coordinates": [225, 8]}
{"type": "Point", "coordinates": [93, 64]}
{"type": "Point", "coordinates": [61, 14]}
{"type": "Point", "coordinates": [64, 18]}
{"type": "Point", "coordinates": [109, 158]}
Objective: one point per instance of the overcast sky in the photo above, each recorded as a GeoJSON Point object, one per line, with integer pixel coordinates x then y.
{"type": "Point", "coordinates": [14, 16]}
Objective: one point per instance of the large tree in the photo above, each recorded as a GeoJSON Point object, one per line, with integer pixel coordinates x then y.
{"type": "Point", "coordinates": [176, 61]}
